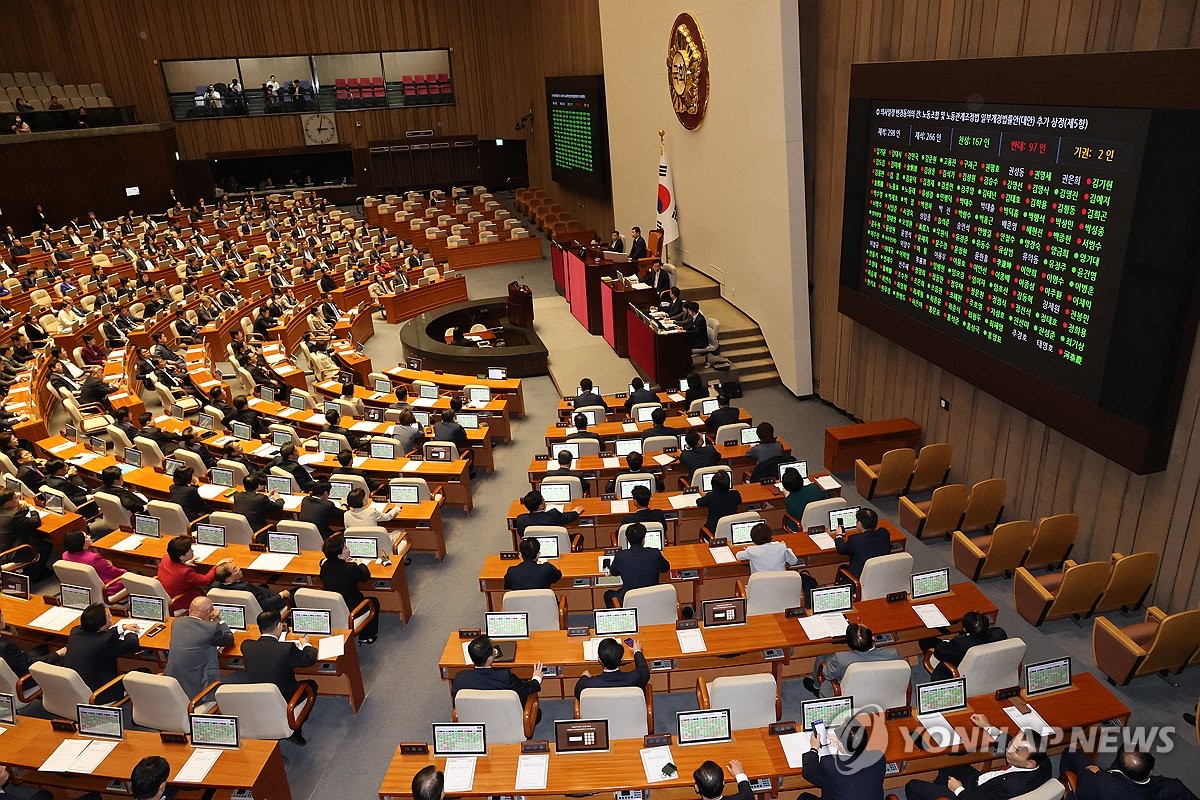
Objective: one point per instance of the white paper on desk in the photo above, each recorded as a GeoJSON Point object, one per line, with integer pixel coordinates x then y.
{"type": "Point", "coordinates": [691, 641]}
{"type": "Point", "coordinates": [795, 745]}
{"type": "Point", "coordinates": [123, 395]}
{"type": "Point", "coordinates": [311, 458]}
{"type": "Point", "coordinates": [203, 551]}
{"type": "Point", "coordinates": [618, 506]}
{"type": "Point", "coordinates": [466, 655]}
{"type": "Point", "coordinates": [291, 502]}
{"type": "Point", "coordinates": [265, 450]}
{"type": "Point", "coordinates": [695, 422]}
{"type": "Point", "coordinates": [459, 773]}
{"type": "Point", "coordinates": [409, 464]}
{"type": "Point", "coordinates": [722, 555]}
{"type": "Point", "coordinates": [196, 768]}
{"type": "Point", "coordinates": [289, 412]}
{"type": "Point", "coordinates": [129, 543]}
{"type": "Point", "coordinates": [940, 730]}
{"type": "Point", "coordinates": [828, 483]}
{"type": "Point", "coordinates": [675, 397]}
{"type": "Point", "coordinates": [358, 461]}
{"type": "Point", "coordinates": [822, 540]}
{"type": "Point", "coordinates": [56, 618]}
{"type": "Point", "coordinates": [532, 770]}
{"type": "Point", "coordinates": [210, 491]}
{"type": "Point", "coordinates": [92, 756]}
{"type": "Point", "coordinates": [678, 501]}
{"type": "Point", "coordinates": [591, 648]}
{"type": "Point", "coordinates": [611, 462]}
{"type": "Point", "coordinates": [271, 562]}
{"type": "Point", "coordinates": [1032, 720]}
{"type": "Point", "coordinates": [629, 427]}
{"type": "Point", "coordinates": [82, 458]}
{"type": "Point", "coordinates": [363, 426]}
{"type": "Point", "coordinates": [424, 402]}
{"type": "Point", "coordinates": [221, 441]}
{"type": "Point", "coordinates": [824, 626]}
{"type": "Point", "coordinates": [931, 616]}
{"type": "Point", "coordinates": [59, 448]}
{"type": "Point", "coordinates": [64, 755]}
{"type": "Point", "coordinates": [653, 761]}
{"type": "Point", "coordinates": [255, 402]}
{"type": "Point", "coordinates": [559, 507]}
{"type": "Point", "coordinates": [331, 646]}
{"type": "Point", "coordinates": [662, 459]}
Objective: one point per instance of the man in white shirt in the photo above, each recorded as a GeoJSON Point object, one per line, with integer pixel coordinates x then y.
{"type": "Point", "coordinates": [1027, 768]}
{"type": "Point", "coordinates": [767, 555]}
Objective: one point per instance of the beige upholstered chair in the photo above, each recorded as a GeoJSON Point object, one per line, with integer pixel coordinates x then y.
{"type": "Point", "coordinates": [500, 710]}
{"type": "Point", "coordinates": [1073, 592]}
{"type": "Point", "coordinates": [547, 612]}
{"type": "Point", "coordinates": [881, 576]}
{"type": "Point", "coordinates": [159, 702]}
{"type": "Point", "coordinates": [1160, 643]}
{"type": "Point", "coordinates": [753, 700]}
{"type": "Point", "coordinates": [1129, 583]}
{"type": "Point", "coordinates": [656, 605]}
{"type": "Point", "coordinates": [878, 684]}
{"type": "Point", "coordinates": [999, 553]}
{"type": "Point", "coordinates": [887, 478]}
{"type": "Point", "coordinates": [992, 666]}
{"type": "Point", "coordinates": [262, 711]}
{"type": "Point", "coordinates": [63, 689]}
{"type": "Point", "coordinates": [937, 516]}
{"type": "Point", "coordinates": [773, 592]}
{"type": "Point", "coordinates": [629, 710]}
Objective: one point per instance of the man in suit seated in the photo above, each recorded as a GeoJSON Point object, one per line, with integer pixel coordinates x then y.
{"type": "Point", "coordinates": [581, 431]}
{"type": "Point", "coordinates": [869, 542]}
{"type": "Point", "coordinates": [61, 381]}
{"type": "Point", "coordinates": [638, 566]}
{"type": "Point", "coordinates": [537, 513]}
{"type": "Point", "coordinates": [833, 667]}
{"type": "Point", "coordinates": [196, 640]}
{"type": "Point", "coordinates": [695, 325]}
{"type": "Point", "coordinates": [697, 455]}
{"type": "Point", "coordinates": [658, 278]}
{"type": "Point", "coordinates": [611, 653]}
{"type": "Point", "coordinates": [94, 647]}
{"type": "Point", "coordinates": [113, 483]}
{"type": "Point", "coordinates": [487, 676]}
{"type": "Point", "coordinates": [841, 775]}
{"type": "Point", "coordinates": [286, 461]}
{"type": "Point", "coordinates": [641, 498]}
{"type": "Point", "coordinates": [66, 479]}
{"type": "Point", "coordinates": [94, 389]}
{"type": "Point", "coordinates": [269, 660]}
{"type": "Point", "coordinates": [229, 576]}
{"type": "Point", "coordinates": [640, 394]}
{"type": "Point", "coordinates": [633, 466]}
{"type": "Point", "coordinates": [1027, 767]}
{"type": "Point", "coordinates": [257, 507]}
{"type": "Point", "coordinates": [659, 426]}
{"type": "Point", "coordinates": [724, 415]}
{"type": "Point", "coordinates": [318, 509]}
{"type": "Point", "coordinates": [1128, 778]}
{"type": "Point", "coordinates": [977, 629]}
{"type": "Point", "coordinates": [530, 573]}
{"type": "Point", "coordinates": [710, 780]}
{"type": "Point", "coordinates": [564, 462]}
{"type": "Point", "coordinates": [587, 397]}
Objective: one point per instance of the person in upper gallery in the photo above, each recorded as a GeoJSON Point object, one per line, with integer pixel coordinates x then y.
{"type": "Point", "coordinates": [658, 278]}
{"type": "Point", "coordinates": [638, 566]}
{"type": "Point", "coordinates": [531, 573]}
{"type": "Point", "coordinates": [1027, 767]}
{"type": "Point", "coordinates": [641, 498]}
{"type": "Point", "coordinates": [637, 246]}
{"type": "Point", "coordinates": [976, 629]}
{"type": "Point", "coordinates": [615, 243]}
{"type": "Point", "coordinates": [725, 414]}
{"type": "Point", "coordinates": [634, 465]}
{"type": "Point", "coordinates": [869, 542]}
{"type": "Point", "coordinates": [767, 447]}
{"type": "Point", "coordinates": [1128, 778]}
{"type": "Point", "coordinates": [640, 394]}
{"type": "Point", "coordinates": [721, 501]}
{"type": "Point", "coordinates": [586, 397]}
{"type": "Point", "coordinates": [611, 653]}
{"type": "Point", "coordinates": [537, 514]}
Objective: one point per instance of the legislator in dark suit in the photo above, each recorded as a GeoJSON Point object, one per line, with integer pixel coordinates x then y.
{"type": "Point", "coordinates": [529, 574]}
{"type": "Point", "coordinates": [692, 460]}
{"type": "Point", "coordinates": [720, 504]}
{"type": "Point", "coordinates": [189, 499]}
{"type": "Point", "coordinates": [493, 678]}
{"type": "Point", "coordinates": [724, 415]}
{"type": "Point", "coordinates": [1001, 784]}
{"type": "Point", "coordinates": [256, 507]}
{"type": "Point", "coordinates": [950, 652]}
{"type": "Point", "coordinates": [1114, 784]}
{"type": "Point", "coordinates": [637, 249]}
{"type": "Point", "coordinates": [638, 567]}
{"type": "Point", "coordinates": [646, 515]}
{"type": "Point", "coordinates": [862, 546]}
{"type": "Point", "coordinates": [321, 512]}
{"type": "Point", "coordinates": [551, 516]}
{"type": "Point", "coordinates": [843, 777]}
{"type": "Point", "coordinates": [344, 577]}
{"type": "Point", "coordinates": [639, 676]}
{"type": "Point", "coordinates": [269, 660]}
{"type": "Point", "coordinates": [94, 390]}
{"type": "Point", "coordinates": [94, 654]}
{"type": "Point", "coordinates": [637, 397]}
{"type": "Point", "coordinates": [589, 399]}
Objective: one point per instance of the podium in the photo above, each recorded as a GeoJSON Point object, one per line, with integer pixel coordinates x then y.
{"type": "Point", "coordinates": [520, 305]}
{"type": "Point", "coordinates": [615, 297]}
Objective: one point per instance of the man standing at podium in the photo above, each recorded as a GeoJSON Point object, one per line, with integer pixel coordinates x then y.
{"type": "Point", "coordinates": [637, 248]}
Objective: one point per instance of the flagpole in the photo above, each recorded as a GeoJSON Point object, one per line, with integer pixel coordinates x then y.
{"type": "Point", "coordinates": [662, 134]}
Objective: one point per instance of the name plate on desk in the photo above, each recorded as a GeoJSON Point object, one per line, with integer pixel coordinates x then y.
{"type": "Point", "coordinates": [773, 654]}
{"type": "Point", "coordinates": [633, 794]}
{"type": "Point", "coordinates": [1008, 692]}
{"type": "Point", "coordinates": [167, 737]}
{"type": "Point", "coordinates": [897, 597]}
{"type": "Point", "coordinates": [608, 497]}
{"type": "Point", "coordinates": [781, 728]}
{"type": "Point", "coordinates": [414, 749]}
{"type": "Point", "coordinates": [692, 490]}
{"type": "Point", "coordinates": [469, 633]}
{"type": "Point", "coordinates": [815, 529]}
{"type": "Point", "coordinates": [563, 425]}
{"type": "Point", "coordinates": [899, 712]}
{"type": "Point", "coordinates": [662, 664]}
{"type": "Point", "coordinates": [611, 551]}
{"type": "Point", "coordinates": [729, 443]}
{"type": "Point", "coordinates": [257, 548]}
{"type": "Point", "coordinates": [685, 574]}
{"type": "Point", "coordinates": [656, 740]}
{"type": "Point", "coordinates": [793, 612]}
{"type": "Point", "coordinates": [670, 450]}
{"type": "Point", "coordinates": [509, 555]}
{"type": "Point", "coordinates": [535, 746]}
{"type": "Point", "coordinates": [63, 726]}
{"type": "Point", "coordinates": [579, 630]}
{"type": "Point", "coordinates": [722, 542]}
{"type": "Point", "coordinates": [686, 624]}
{"type": "Point", "coordinates": [581, 583]}
{"type": "Point", "coordinates": [541, 458]}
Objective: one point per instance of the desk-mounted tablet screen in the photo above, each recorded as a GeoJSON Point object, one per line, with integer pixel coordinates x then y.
{"type": "Point", "coordinates": [704, 727]}
{"type": "Point", "coordinates": [942, 696]}
{"type": "Point", "coordinates": [214, 730]}
{"type": "Point", "coordinates": [456, 739]}
{"type": "Point", "coordinates": [1047, 676]}
{"type": "Point", "coordinates": [581, 736]}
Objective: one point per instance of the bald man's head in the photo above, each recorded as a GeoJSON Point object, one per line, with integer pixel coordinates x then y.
{"type": "Point", "coordinates": [201, 608]}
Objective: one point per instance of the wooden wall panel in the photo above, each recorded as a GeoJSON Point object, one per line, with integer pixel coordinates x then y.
{"type": "Point", "coordinates": [1047, 472]}
{"type": "Point", "coordinates": [501, 51]}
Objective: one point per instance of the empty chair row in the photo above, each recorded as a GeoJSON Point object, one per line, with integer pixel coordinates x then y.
{"type": "Point", "coordinates": [903, 471]}
{"type": "Point", "coordinates": [1016, 544]}
{"type": "Point", "coordinates": [1161, 644]}
{"type": "Point", "coordinates": [27, 79]}
{"type": "Point", "coordinates": [1081, 590]}
{"type": "Point", "coordinates": [954, 507]}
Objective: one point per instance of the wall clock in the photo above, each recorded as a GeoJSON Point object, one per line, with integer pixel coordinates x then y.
{"type": "Point", "coordinates": [319, 129]}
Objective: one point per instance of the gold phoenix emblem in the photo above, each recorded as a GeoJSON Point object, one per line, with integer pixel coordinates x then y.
{"type": "Point", "coordinates": [687, 71]}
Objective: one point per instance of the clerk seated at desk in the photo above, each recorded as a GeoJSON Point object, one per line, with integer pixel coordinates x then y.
{"type": "Point", "coordinates": [638, 567]}
{"type": "Point", "coordinates": [611, 653]}
{"type": "Point", "coordinates": [459, 337]}
{"type": "Point", "coordinates": [531, 573]}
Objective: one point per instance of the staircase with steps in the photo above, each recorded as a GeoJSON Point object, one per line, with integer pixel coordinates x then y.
{"type": "Point", "coordinates": [742, 342]}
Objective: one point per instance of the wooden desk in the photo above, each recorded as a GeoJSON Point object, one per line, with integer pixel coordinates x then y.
{"type": "Point", "coordinates": [583, 289]}
{"type": "Point", "coordinates": [257, 765]}
{"type": "Point", "coordinates": [505, 251]}
{"type": "Point", "coordinates": [868, 441]}
{"type": "Point", "coordinates": [634, 430]}
{"type": "Point", "coordinates": [673, 402]}
{"type": "Point", "coordinates": [735, 650]}
{"type": "Point", "coordinates": [695, 574]}
{"type": "Point", "coordinates": [360, 326]}
{"type": "Point", "coordinates": [509, 387]}
{"type": "Point", "coordinates": [419, 299]}
{"type": "Point", "coordinates": [575, 774]}
{"type": "Point", "coordinates": [615, 298]}
{"type": "Point", "coordinates": [340, 677]}
{"type": "Point", "coordinates": [664, 357]}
